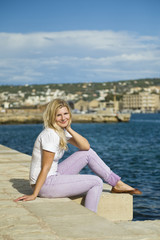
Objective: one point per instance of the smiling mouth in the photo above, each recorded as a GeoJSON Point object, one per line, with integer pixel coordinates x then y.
{"type": "Point", "coordinates": [64, 121]}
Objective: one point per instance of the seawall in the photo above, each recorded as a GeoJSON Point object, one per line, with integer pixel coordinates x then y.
{"type": "Point", "coordinates": [29, 117]}
{"type": "Point", "coordinates": [55, 219]}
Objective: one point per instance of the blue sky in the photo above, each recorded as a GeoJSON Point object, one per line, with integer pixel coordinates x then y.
{"type": "Point", "coordinates": [62, 41]}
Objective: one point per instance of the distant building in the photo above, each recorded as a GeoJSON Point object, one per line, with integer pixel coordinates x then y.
{"type": "Point", "coordinates": [135, 90]}
{"type": "Point", "coordinates": [94, 104]}
{"type": "Point", "coordinates": [5, 105]}
{"type": "Point", "coordinates": [32, 100]}
{"type": "Point", "coordinates": [82, 106]}
{"type": "Point", "coordinates": [144, 102]}
{"type": "Point", "coordinates": [154, 89]}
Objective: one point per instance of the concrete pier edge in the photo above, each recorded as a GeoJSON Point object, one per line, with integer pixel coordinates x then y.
{"type": "Point", "coordinates": [57, 219]}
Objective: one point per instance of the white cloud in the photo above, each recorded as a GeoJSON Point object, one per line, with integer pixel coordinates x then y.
{"type": "Point", "coordinates": [77, 56]}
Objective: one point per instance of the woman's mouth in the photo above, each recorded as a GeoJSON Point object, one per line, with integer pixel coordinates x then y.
{"type": "Point", "coordinates": [63, 121]}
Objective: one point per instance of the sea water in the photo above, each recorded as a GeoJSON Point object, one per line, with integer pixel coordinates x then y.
{"type": "Point", "coordinates": [131, 150]}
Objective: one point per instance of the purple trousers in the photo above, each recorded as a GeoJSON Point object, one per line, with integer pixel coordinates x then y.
{"type": "Point", "coordinates": [68, 182]}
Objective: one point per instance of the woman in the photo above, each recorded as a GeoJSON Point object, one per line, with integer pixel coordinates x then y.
{"type": "Point", "coordinates": [50, 179]}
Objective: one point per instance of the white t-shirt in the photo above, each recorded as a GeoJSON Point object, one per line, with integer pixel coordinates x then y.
{"type": "Point", "coordinates": [48, 140]}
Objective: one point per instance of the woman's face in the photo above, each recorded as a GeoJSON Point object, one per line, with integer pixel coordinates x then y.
{"type": "Point", "coordinates": [62, 117]}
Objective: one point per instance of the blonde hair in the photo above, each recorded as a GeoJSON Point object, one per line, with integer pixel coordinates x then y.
{"type": "Point", "coordinates": [49, 118]}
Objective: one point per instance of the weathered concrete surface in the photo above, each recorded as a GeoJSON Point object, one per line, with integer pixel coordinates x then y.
{"type": "Point", "coordinates": [114, 207]}
{"type": "Point", "coordinates": [55, 219]}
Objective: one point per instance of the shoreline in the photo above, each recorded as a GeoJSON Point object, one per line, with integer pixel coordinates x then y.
{"type": "Point", "coordinates": [31, 118]}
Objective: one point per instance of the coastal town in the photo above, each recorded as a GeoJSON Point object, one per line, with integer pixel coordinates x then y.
{"type": "Point", "coordinates": [99, 102]}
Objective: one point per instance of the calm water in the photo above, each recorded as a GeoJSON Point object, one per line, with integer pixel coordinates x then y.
{"type": "Point", "coordinates": [132, 150]}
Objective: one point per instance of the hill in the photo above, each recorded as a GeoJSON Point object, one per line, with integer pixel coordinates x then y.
{"type": "Point", "coordinates": [82, 88]}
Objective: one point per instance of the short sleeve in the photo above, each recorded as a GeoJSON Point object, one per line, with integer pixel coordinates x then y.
{"type": "Point", "coordinates": [50, 141]}
{"type": "Point", "coordinates": [67, 134]}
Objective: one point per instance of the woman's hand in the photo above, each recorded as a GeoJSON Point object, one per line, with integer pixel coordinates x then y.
{"type": "Point", "coordinates": [25, 198]}
{"type": "Point", "coordinates": [68, 128]}
{"type": "Point", "coordinates": [78, 140]}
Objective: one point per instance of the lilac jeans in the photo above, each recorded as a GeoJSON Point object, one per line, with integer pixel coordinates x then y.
{"type": "Point", "coordinates": [68, 182]}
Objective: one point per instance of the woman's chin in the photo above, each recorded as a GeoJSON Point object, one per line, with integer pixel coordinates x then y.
{"type": "Point", "coordinates": [63, 125]}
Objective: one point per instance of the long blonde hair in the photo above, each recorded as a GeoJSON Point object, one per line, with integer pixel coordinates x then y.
{"type": "Point", "coordinates": [49, 118]}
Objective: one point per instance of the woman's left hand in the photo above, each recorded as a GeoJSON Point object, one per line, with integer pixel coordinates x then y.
{"type": "Point", "coordinates": [78, 140]}
{"type": "Point", "coordinates": [25, 198]}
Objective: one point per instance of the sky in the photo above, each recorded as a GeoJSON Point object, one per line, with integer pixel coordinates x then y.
{"type": "Point", "coordinates": [71, 41]}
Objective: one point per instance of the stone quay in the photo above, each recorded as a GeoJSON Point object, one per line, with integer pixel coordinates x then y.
{"type": "Point", "coordinates": [63, 218]}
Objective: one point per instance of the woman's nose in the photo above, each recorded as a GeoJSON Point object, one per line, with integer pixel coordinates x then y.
{"type": "Point", "coordinates": [63, 117]}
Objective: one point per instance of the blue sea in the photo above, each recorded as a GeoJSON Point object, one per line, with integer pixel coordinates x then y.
{"type": "Point", "coordinates": [132, 150]}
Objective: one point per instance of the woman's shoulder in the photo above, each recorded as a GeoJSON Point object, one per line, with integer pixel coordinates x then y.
{"type": "Point", "coordinates": [48, 140]}
{"type": "Point", "coordinates": [48, 132]}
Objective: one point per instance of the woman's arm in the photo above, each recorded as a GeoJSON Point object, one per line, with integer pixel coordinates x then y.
{"type": "Point", "coordinates": [47, 159]}
{"type": "Point", "coordinates": [77, 140]}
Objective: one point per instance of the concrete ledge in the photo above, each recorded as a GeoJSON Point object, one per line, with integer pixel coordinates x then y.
{"type": "Point", "coordinates": [55, 219]}
{"type": "Point", "coordinates": [112, 206]}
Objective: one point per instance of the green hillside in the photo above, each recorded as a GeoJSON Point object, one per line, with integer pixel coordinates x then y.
{"type": "Point", "coordinates": [90, 89]}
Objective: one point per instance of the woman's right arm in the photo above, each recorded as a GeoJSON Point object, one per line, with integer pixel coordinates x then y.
{"type": "Point", "coordinates": [47, 160]}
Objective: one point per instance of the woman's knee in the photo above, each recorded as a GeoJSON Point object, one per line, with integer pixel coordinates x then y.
{"type": "Point", "coordinates": [98, 181]}
{"type": "Point", "coordinates": [91, 152]}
